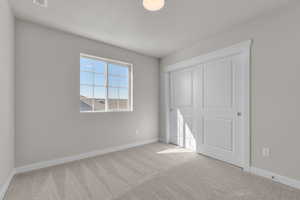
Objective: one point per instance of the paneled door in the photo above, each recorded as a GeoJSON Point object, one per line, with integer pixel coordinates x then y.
{"type": "Point", "coordinates": [217, 103]}
{"type": "Point", "coordinates": [205, 108]}
{"type": "Point", "coordinates": [181, 112]}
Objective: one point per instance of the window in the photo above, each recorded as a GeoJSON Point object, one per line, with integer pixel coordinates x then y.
{"type": "Point", "coordinates": [105, 85]}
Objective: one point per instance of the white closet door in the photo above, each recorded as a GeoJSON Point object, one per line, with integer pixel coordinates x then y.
{"type": "Point", "coordinates": [218, 107]}
{"type": "Point", "coordinates": [205, 104]}
{"type": "Point", "coordinates": [182, 109]}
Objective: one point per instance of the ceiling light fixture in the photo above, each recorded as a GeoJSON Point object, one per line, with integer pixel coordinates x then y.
{"type": "Point", "coordinates": [41, 3]}
{"type": "Point", "coordinates": [153, 5]}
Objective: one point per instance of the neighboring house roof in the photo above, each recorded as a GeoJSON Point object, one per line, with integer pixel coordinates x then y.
{"type": "Point", "coordinates": [84, 106]}
{"type": "Point", "coordinates": [87, 104]}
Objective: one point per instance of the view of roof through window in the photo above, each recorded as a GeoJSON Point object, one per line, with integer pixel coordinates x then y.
{"type": "Point", "coordinates": [104, 86]}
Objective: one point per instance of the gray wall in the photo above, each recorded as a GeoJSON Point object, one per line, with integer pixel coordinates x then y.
{"type": "Point", "coordinates": [275, 78]}
{"type": "Point", "coordinates": [7, 91]}
{"type": "Point", "coordinates": [48, 122]}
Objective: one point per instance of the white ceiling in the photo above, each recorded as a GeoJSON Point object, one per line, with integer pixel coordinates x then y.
{"type": "Point", "coordinates": [126, 24]}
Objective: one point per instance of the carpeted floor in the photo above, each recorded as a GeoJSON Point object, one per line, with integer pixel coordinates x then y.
{"type": "Point", "coordinates": [151, 172]}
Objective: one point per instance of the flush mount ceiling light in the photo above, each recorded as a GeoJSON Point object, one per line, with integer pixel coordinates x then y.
{"type": "Point", "coordinates": [153, 5]}
{"type": "Point", "coordinates": [41, 3]}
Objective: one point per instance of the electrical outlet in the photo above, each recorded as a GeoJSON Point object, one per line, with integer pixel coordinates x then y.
{"type": "Point", "coordinates": [266, 152]}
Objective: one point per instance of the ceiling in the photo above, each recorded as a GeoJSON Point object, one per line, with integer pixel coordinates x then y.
{"type": "Point", "coordinates": [126, 24]}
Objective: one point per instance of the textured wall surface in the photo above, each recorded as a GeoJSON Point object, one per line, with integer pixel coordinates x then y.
{"type": "Point", "coordinates": [48, 123]}
{"type": "Point", "coordinates": [7, 89]}
{"type": "Point", "coordinates": [274, 85]}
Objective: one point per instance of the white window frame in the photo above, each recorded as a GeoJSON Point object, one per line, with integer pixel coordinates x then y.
{"type": "Point", "coordinates": [106, 84]}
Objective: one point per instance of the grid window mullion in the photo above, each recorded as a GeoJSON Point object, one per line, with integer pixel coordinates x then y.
{"type": "Point", "coordinates": [93, 90]}
{"type": "Point", "coordinates": [106, 87]}
{"type": "Point", "coordinates": [110, 85]}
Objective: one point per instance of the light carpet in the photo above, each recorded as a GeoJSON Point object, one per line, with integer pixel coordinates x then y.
{"type": "Point", "coordinates": [151, 172]}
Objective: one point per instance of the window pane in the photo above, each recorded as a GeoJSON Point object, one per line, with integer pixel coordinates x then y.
{"type": "Point", "coordinates": [123, 104]}
{"type": "Point", "coordinates": [118, 70]}
{"type": "Point", "coordinates": [100, 66]}
{"type": "Point", "coordinates": [118, 104]}
{"type": "Point", "coordinates": [113, 99]}
{"type": "Point", "coordinates": [99, 105]}
{"type": "Point", "coordinates": [118, 81]}
{"type": "Point", "coordinates": [99, 101]}
{"type": "Point", "coordinates": [99, 80]}
{"type": "Point", "coordinates": [92, 65]}
{"type": "Point", "coordinates": [118, 99]}
{"type": "Point", "coordinates": [123, 93]}
{"type": "Point", "coordinates": [100, 92]}
{"type": "Point", "coordinates": [113, 104]}
{"type": "Point", "coordinates": [86, 64]}
{"type": "Point", "coordinates": [86, 91]}
{"type": "Point", "coordinates": [113, 93]}
{"type": "Point", "coordinates": [86, 104]}
{"type": "Point", "coordinates": [94, 94]}
{"type": "Point", "coordinates": [86, 78]}
{"type": "Point", "coordinates": [86, 98]}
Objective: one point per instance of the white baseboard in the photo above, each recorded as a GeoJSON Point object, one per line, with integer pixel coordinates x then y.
{"type": "Point", "coordinates": [60, 161]}
{"type": "Point", "coordinates": [275, 177]}
{"type": "Point", "coordinates": [4, 187]}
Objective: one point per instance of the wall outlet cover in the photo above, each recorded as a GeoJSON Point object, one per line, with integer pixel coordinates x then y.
{"type": "Point", "coordinates": [266, 152]}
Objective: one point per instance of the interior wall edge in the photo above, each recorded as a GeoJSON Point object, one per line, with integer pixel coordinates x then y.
{"type": "Point", "coordinates": [6, 185]}
{"type": "Point", "coordinates": [7, 80]}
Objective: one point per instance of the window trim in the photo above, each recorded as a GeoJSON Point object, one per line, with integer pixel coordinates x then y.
{"type": "Point", "coordinates": [111, 61]}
